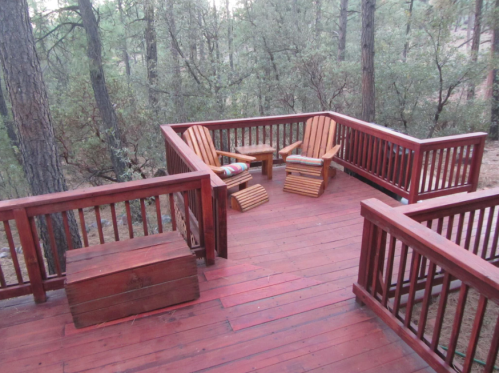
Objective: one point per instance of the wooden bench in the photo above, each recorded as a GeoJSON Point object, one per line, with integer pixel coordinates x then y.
{"type": "Point", "coordinates": [125, 278]}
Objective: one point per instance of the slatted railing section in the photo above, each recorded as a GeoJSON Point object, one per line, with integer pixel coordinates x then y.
{"type": "Point", "coordinates": [404, 265]}
{"type": "Point", "coordinates": [180, 159]}
{"type": "Point", "coordinates": [411, 168]}
{"type": "Point", "coordinates": [469, 220]}
{"type": "Point", "coordinates": [131, 209]}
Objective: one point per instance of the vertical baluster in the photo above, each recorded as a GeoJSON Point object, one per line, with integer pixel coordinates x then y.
{"type": "Point", "coordinates": [495, 240]}
{"type": "Point", "coordinates": [83, 227]}
{"type": "Point", "coordinates": [441, 312]}
{"type": "Point", "coordinates": [439, 169]}
{"type": "Point", "coordinates": [460, 228]}
{"type": "Point", "coordinates": [65, 222]}
{"type": "Point", "coordinates": [227, 133]}
{"type": "Point", "coordinates": [115, 222]}
{"type": "Point", "coordinates": [400, 279]}
{"type": "Point", "coordinates": [409, 166]}
{"type": "Point", "coordinates": [3, 284]}
{"type": "Point", "coordinates": [129, 219]}
{"type": "Point", "coordinates": [99, 224]}
{"type": "Point", "coordinates": [389, 271]}
{"type": "Point", "coordinates": [478, 231]}
{"type": "Point", "coordinates": [488, 230]}
{"type": "Point", "coordinates": [290, 133]}
{"type": "Point", "coordinates": [491, 358]}
{"type": "Point", "coordinates": [271, 135]}
{"type": "Point", "coordinates": [341, 141]}
{"type": "Point", "coordinates": [456, 326]}
{"type": "Point", "coordinates": [13, 253]}
{"type": "Point", "coordinates": [356, 147]}
{"type": "Point", "coordinates": [475, 333]}
{"type": "Point", "coordinates": [378, 262]}
{"type": "Point", "coordinates": [172, 212]}
{"type": "Point", "coordinates": [452, 167]}
{"type": "Point", "coordinates": [144, 216]}
{"type": "Point", "coordinates": [53, 245]}
{"type": "Point", "coordinates": [401, 166]}
{"type": "Point", "coordinates": [374, 159]}
{"type": "Point", "coordinates": [370, 154]}
{"type": "Point", "coordinates": [416, 261]}
{"type": "Point", "coordinates": [459, 162]}
{"type": "Point", "coordinates": [265, 134]}
{"type": "Point", "coordinates": [426, 300]}
{"type": "Point", "coordinates": [469, 231]}
{"type": "Point", "coordinates": [158, 214]}
{"type": "Point", "coordinates": [425, 172]}
{"type": "Point", "coordinates": [422, 271]}
{"type": "Point", "coordinates": [385, 154]}
{"type": "Point", "coordinates": [278, 143]}
{"type": "Point", "coordinates": [396, 167]}
{"type": "Point", "coordinates": [450, 226]}
{"type": "Point", "coordinates": [187, 220]}
{"type": "Point", "coordinates": [390, 155]}
{"type": "Point", "coordinates": [465, 169]}
{"type": "Point", "coordinates": [250, 139]}
{"type": "Point", "coordinates": [432, 170]}
{"type": "Point", "coordinates": [446, 169]}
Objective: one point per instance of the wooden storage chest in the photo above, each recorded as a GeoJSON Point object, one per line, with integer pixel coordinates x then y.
{"type": "Point", "coordinates": [120, 279]}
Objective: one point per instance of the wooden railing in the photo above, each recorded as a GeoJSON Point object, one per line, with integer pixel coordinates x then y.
{"type": "Point", "coordinates": [411, 254]}
{"type": "Point", "coordinates": [23, 218]}
{"type": "Point", "coordinates": [411, 168]}
{"type": "Point", "coordinates": [180, 159]}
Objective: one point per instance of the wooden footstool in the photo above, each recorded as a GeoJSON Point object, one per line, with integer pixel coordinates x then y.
{"type": "Point", "coordinates": [249, 198]}
{"type": "Point", "coordinates": [306, 186]}
{"type": "Point", "coordinates": [125, 278]}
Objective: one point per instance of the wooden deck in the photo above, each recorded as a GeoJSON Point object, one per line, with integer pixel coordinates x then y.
{"type": "Point", "coordinates": [283, 302]}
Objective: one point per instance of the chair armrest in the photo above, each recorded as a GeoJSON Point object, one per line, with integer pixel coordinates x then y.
{"type": "Point", "coordinates": [217, 170]}
{"type": "Point", "coordinates": [240, 157]}
{"type": "Point", "coordinates": [331, 153]}
{"type": "Point", "coordinates": [288, 149]}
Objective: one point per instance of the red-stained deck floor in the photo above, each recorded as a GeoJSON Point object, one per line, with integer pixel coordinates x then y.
{"type": "Point", "coordinates": [283, 302]}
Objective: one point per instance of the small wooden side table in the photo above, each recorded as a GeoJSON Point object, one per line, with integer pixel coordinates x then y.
{"type": "Point", "coordinates": [263, 153]}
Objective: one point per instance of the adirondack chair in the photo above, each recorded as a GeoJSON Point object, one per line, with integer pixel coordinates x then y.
{"type": "Point", "coordinates": [198, 138]}
{"type": "Point", "coordinates": [317, 152]}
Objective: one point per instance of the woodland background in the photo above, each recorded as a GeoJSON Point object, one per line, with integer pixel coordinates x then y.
{"type": "Point", "coordinates": [169, 61]}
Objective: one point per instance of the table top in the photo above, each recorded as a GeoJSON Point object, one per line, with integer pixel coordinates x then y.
{"type": "Point", "coordinates": [255, 149]}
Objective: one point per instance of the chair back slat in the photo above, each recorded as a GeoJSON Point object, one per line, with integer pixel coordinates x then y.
{"type": "Point", "coordinates": [199, 139]}
{"type": "Point", "coordinates": [319, 136]}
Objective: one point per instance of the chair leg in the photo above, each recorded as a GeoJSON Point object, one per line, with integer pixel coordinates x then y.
{"type": "Point", "coordinates": [243, 186]}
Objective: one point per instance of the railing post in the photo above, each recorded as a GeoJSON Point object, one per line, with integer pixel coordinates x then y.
{"type": "Point", "coordinates": [416, 174]}
{"type": "Point", "coordinates": [30, 255]}
{"type": "Point", "coordinates": [368, 232]}
{"type": "Point", "coordinates": [477, 163]}
{"type": "Point", "coordinates": [221, 196]}
{"type": "Point", "coordinates": [207, 218]}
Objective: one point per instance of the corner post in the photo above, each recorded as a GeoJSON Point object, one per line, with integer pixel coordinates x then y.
{"type": "Point", "coordinates": [30, 255]}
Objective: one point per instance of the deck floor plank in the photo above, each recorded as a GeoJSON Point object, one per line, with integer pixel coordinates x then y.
{"type": "Point", "coordinates": [281, 302]}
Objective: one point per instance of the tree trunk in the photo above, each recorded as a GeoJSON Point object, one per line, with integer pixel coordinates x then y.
{"type": "Point", "coordinates": [407, 31]}
{"type": "Point", "coordinates": [229, 36]}
{"type": "Point", "coordinates": [151, 53]}
{"type": "Point", "coordinates": [343, 30]}
{"type": "Point", "coordinates": [368, 103]}
{"type": "Point", "coordinates": [30, 107]}
{"type": "Point", "coordinates": [7, 122]}
{"type": "Point", "coordinates": [106, 109]}
{"type": "Point", "coordinates": [177, 93]}
{"type": "Point", "coordinates": [475, 43]}
{"type": "Point", "coordinates": [494, 117]}
{"type": "Point", "coordinates": [126, 58]}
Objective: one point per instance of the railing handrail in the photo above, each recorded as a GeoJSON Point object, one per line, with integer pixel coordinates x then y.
{"type": "Point", "coordinates": [461, 263]}
{"type": "Point", "coordinates": [100, 191]}
{"type": "Point", "coordinates": [451, 205]}
{"type": "Point", "coordinates": [341, 118]}
{"type": "Point", "coordinates": [189, 156]}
